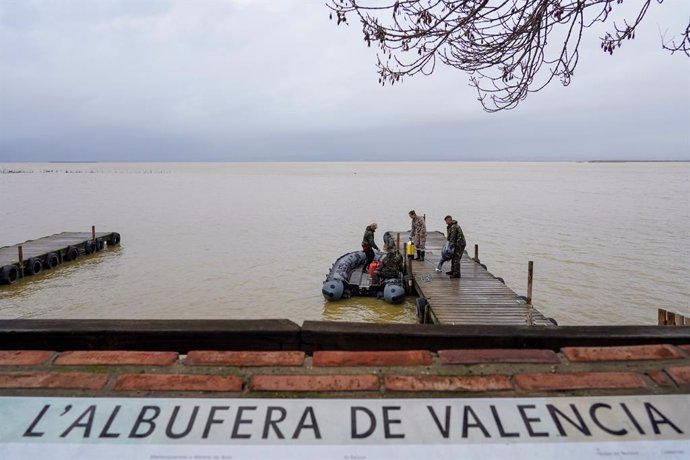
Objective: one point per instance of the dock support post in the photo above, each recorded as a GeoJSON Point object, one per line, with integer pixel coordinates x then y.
{"type": "Point", "coordinates": [20, 255]}
{"type": "Point", "coordinates": [661, 317]}
{"type": "Point", "coordinates": [410, 283]}
{"type": "Point", "coordinates": [93, 232]}
{"type": "Point", "coordinates": [476, 253]}
{"type": "Point", "coordinates": [670, 318]}
{"type": "Point", "coordinates": [530, 272]}
{"type": "Point", "coordinates": [397, 245]}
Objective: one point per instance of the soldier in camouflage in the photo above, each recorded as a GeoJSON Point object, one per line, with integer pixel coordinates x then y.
{"type": "Point", "coordinates": [368, 244]}
{"type": "Point", "coordinates": [418, 234]}
{"type": "Point", "coordinates": [457, 239]}
{"type": "Point", "coordinates": [391, 265]}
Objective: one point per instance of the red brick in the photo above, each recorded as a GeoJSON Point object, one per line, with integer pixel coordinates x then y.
{"type": "Point", "coordinates": [177, 382]}
{"type": "Point", "coordinates": [579, 381]}
{"type": "Point", "coordinates": [315, 383]}
{"type": "Point", "coordinates": [24, 358]}
{"type": "Point", "coordinates": [245, 358]}
{"type": "Point", "coordinates": [59, 380]}
{"type": "Point", "coordinates": [372, 358]}
{"type": "Point", "coordinates": [497, 355]}
{"type": "Point", "coordinates": [631, 353]}
{"type": "Point", "coordinates": [685, 348]}
{"type": "Point", "coordinates": [447, 383]}
{"type": "Point", "coordinates": [660, 378]}
{"type": "Point", "coordinates": [116, 358]}
{"type": "Point", "coordinates": [680, 374]}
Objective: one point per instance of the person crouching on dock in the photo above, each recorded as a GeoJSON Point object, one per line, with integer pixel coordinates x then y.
{"type": "Point", "coordinates": [391, 264]}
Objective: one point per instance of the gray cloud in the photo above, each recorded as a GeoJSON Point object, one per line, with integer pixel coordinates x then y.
{"type": "Point", "coordinates": [264, 80]}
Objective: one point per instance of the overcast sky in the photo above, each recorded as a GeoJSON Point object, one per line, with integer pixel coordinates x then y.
{"type": "Point", "coordinates": [217, 80]}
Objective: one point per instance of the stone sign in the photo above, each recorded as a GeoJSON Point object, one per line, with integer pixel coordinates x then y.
{"type": "Point", "coordinates": [653, 426]}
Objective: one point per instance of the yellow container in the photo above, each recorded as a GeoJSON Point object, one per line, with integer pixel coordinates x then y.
{"type": "Point", "coordinates": [410, 249]}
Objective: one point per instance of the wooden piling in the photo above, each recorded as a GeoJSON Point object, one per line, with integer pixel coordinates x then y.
{"type": "Point", "coordinates": [404, 251]}
{"type": "Point", "coordinates": [476, 253]}
{"type": "Point", "coordinates": [93, 232]}
{"type": "Point", "coordinates": [661, 317]}
{"type": "Point", "coordinates": [669, 318]}
{"type": "Point", "coordinates": [530, 272]}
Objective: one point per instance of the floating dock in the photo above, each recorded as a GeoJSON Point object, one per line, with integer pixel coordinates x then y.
{"type": "Point", "coordinates": [33, 256]}
{"type": "Point", "coordinates": [478, 297]}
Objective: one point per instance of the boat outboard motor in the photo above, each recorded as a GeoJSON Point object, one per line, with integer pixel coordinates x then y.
{"type": "Point", "coordinates": [333, 289]}
{"type": "Point", "coordinates": [393, 292]}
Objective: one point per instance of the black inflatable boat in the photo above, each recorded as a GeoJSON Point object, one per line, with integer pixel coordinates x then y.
{"type": "Point", "coordinates": [346, 279]}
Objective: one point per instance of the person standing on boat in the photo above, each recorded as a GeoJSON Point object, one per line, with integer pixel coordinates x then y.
{"type": "Point", "coordinates": [418, 234]}
{"type": "Point", "coordinates": [391, 264]}
{"type": "Point", "coordinates": [368, 244]}
{"type": "Point", "coordinates": [457, 239]}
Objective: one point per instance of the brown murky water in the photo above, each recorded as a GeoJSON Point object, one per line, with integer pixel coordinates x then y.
{"type": "Point", "coordinates": [610, 241]}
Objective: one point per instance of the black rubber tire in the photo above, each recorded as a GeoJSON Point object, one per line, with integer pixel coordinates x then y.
{"type": "Point", "coordinates": [9, 274]}
{"type": "Point", "coordinates": [51, 260]}
{"type": "Point", "coordinates": [33, 266]}
{"type": "Point", "coordinates": [114, 239]}
{"type": "Point", "coordinates": [89, 247]}
{"type": "Point", "coordinates": [100, 245]}
{"type": "Point", "coordinates": [421, 306]}
{"type": "Point", "coordinates": [71, 253]}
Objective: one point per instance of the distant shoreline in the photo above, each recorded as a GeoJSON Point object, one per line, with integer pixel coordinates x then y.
{"type": "Point", "coordinates": [637, 161]}
{"type": "Point", "coordinates": [76, 162]}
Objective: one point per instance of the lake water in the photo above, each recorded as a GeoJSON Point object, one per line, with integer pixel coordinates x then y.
{"type": "Point", "coordinates": [610, 241]}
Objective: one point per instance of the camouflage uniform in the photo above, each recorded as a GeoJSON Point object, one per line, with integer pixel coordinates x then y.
{"type": "Point", "coordinates": [391, 265]}
{"type": "Point", "coordinates": [368, 245]}
{"type": "Point", "coordinates": [418, 232]}
{"type": "Point", "coordinates": [457, 239]}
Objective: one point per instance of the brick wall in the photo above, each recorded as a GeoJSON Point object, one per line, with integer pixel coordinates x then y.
{"type": "Point", "coordinates": [642, 369]}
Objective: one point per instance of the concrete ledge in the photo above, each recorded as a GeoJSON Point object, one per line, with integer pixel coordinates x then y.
{"type": "Point", "coordinates": [322, 335]}
{"type": "Point", "coordinates": [161, 335]}
{"type": "Point", "coordinates": [279, 335]}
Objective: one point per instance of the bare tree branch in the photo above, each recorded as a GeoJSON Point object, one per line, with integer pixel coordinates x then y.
{"type": "Point", "coordinates": [510, 48]}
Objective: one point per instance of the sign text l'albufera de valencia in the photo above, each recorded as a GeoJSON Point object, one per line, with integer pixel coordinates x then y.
{"type": "Point", "coordinates": [352, 422]}
{"type": "Point", "coordinates": [313, 421]}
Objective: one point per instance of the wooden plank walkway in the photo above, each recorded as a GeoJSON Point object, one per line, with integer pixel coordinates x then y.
{"type": "Point", "coordinates": [476, 298]}
{"type": "Point", "coordinates": [50, 251]}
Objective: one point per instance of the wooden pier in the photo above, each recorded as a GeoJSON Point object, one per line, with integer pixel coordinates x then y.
{"type": "Point", "coordinates": [478, 297]}
{"type": "Point", "coordinates": [33, 256]}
